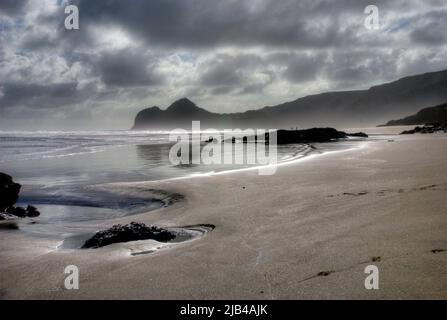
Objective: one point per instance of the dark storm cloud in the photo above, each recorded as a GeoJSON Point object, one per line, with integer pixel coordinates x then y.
{"type": "Point", "coordinates": [202, 23]}
{"type": "Point", "coordinates": [37, 95]}
{"type": "Point", "coordinates": [431, 30]}
{"type": "Point", "coordinates": [221, 74]}
{"type": "Point", "coordinates": [12, 7]}
{"type": "Point", "coordinates": [229, 69]}
{"type": "Point", "coordinates": [42, 42]}
{"type": "Point", "coordinates": [302, 67]}
{"type": "Point", "coordinates": [236, 74]}
{"type": "Point", "coordinates": [127, 68]}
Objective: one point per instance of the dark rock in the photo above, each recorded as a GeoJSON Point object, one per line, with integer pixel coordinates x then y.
{"type": "Point", "coordinates": [358, 134]}
{"type": "Point", "coordinates": [9, 194]}
{"type": "Point", "coordinates": [297, 136]}
{"type": "Point", "coordinates": [308, 135]}
{"type": "Point", "coordinates": [129, 232]}
{"type": "Point", "coordinates": [32, 211]}
{"type": "Point", "coordinates": [20, 212]}
{"type": "Point", "coordinates": [9, 191]}
{"type": "Point", "coordinates": [16, 211]}
{"type": "Point", "coordinates": [427, 129]}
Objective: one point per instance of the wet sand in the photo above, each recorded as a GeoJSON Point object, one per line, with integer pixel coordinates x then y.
{"type": "Point", "coordinates": [307, 232]}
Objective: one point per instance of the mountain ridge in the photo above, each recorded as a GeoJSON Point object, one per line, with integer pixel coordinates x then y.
{"type": "Point", "coordinates": [436, 114]}
{"type": "Point", "coordinates": [367, 107]}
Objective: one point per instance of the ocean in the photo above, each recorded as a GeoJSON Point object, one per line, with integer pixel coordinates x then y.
{"type": "Point", "coordinates": [58, 171]}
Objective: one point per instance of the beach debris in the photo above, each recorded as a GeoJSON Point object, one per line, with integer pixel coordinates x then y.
{"type": "Point", "coordinates": [9, 194]}
{"type": "Point", "coordinates": [130, 232]}
{"type": "Point", "coordinates": [355, 194]}
{"type": "Point", "coordinates": [324, 273]}
{"type": "Point", "coordinates": [437, 250]}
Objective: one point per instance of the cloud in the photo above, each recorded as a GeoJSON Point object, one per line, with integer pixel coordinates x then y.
{"type": "Point", "coordinates": [303, 67]}
{"type": "Point", "coordinates": [204, 23]}
{"type": "Point", "coordinates": [12, 7]}
{"type": "Point", "coordinates": [37, 95]}
{"type": "Point", "coordinates": [225, 55]}
{"type": "Point", "coordinates": [431, 29]}
{"type": "Point", "coordinates": [127, 68]}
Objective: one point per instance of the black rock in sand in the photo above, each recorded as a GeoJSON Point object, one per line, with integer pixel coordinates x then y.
{"type": "Point", "coordinates": [130, 232]}
{"type": "Point", "coordinates": [9, 191]}
{"type": "Point", "coordinates": [9, 194]}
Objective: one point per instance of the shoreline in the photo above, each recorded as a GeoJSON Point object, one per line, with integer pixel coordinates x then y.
{"type": "Point", "coordinates": [273, 235]}
{"type": "Point", "coordinates": [295, 160]}
{"type": "Point", "coordinates": [111, 204]}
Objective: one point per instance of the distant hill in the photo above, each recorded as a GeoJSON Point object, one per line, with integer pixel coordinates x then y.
{"type": "Point", "coordinates": [183, 111]}
{"type": "Point", "coordinates": [437, 114]}
{"type": "Point", "coordinates": [335, 109]}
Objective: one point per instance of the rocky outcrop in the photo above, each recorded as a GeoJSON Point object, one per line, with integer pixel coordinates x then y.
{"type": "Point", "coordinates": [309, 135]}
{"type": "Point", "coordinates": [130, 232]}
{"type": "Point", "coordinates": [20, 212]}
{"type": "Point", "coordinates": [357, 134]}
{"type": "Point", "coordinates": [431, 128]}
{"type": "Point", "coordinates": [9, 194]}
{"type": "Point", "coordinates": [9, 191]}
{"type": "Point", "coordinates": [298, 136]}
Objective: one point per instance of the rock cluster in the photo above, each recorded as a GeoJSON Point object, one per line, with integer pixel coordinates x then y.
{"type": "Point", "coordinates": [9, 194]}
{"type": "Point", "coordinates": [358, 134]}
{"type": "Point", "coordinates": [130, 232]}
{"type": "Point", "coordinates": [428, 128]}
{"type": "Point", "coordinates": [306, 136]}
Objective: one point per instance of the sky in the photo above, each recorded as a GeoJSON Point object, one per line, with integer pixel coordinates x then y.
{"type": "Point", "coordinates": [225, 55]}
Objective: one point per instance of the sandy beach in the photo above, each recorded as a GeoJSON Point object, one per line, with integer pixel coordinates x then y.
{"type": "Point", "coordinates": [333, 213]}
